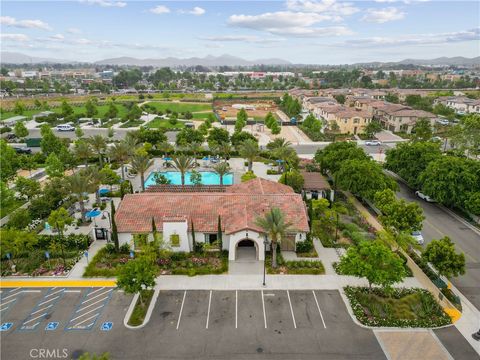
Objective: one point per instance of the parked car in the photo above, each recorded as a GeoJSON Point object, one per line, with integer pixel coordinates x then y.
{"type": "Point", "coordinates": [443, 121]}
{"type": "Point", "coordinates": [436, 139]}
{"type": "Point", "coordinates": [11, 138]}
{"type": "Point", "coordinates": [64, 127]}
{"type": "Point", "coordinates": [424, 197]}
{"type": "Point", "coordinates": [23, 150]}
{"type": "Point", "coordinates": [417, 235]}
{"type": "Point", "coordinates": [373, 143]}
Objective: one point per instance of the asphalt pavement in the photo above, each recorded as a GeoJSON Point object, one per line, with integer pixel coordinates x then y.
{"type": "Point", "coordinates": [437, 224]}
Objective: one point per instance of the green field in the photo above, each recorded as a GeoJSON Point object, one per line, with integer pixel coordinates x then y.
{"type": "Point", "coordinates": [164, 124]}
{"type": "Point", "coordinates": [201, 115]}
{"type": "Point", "coordinates": [180, 107]}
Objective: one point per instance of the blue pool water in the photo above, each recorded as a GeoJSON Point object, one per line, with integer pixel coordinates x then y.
{"type": "Point", "coordinates": [208, 178]}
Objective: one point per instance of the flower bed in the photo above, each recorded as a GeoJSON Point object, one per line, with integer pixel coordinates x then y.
{"type": "Point", "coordinates": [106, 262]}
{"type": "Point", "coordinates": [401, 308]}
{"type": "Point", "coordinates": [192, 264]}
{"type": "Point", "coordinates": [302, 267]}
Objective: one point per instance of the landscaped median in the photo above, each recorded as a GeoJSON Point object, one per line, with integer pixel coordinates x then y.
{"type": "Point", "coordinates": [141, 309]}
{"type": "Point", "coordinates": [301, 267]}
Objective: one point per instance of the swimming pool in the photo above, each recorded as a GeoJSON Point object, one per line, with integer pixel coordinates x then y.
{"type": "Point", "coordinates": [208, 178]}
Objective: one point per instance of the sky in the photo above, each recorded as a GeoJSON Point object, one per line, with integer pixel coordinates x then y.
{"type": "Point", "coordinates": [300, 31]}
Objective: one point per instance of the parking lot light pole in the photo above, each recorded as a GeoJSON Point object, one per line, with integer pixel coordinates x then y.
{"type": "Point", "coordinates": [265, 243]}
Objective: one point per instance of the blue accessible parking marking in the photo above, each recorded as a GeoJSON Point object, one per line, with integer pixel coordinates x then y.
{"type": "Point", "coordinates": [51, 326]}
{"type": "Point", "coordinates": [90, 308]}
{"type": "Point", "coordinates": [6, 326]}
{"type": "Point", "coordinates": [42, 309]}
{"type": "Point", "coordinates": [106, 326]}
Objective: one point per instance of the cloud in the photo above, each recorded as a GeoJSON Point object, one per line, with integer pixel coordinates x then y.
{"type": "Point", "coordinates": [331, 7]}
{"type": "Point", "coordinates": [241, 38]}
{"type": "Point", "coordinates": [289, 23]}
{"type": "Point", "coordinates": [415, 39]}
{"type": "Point", "coordinates": [381, 16]}
{"type": "Point", "coordinates": [197, 11]}
{"type": "Point", "coordinates": [15, 37]}
{"type": "Point", "coordinates": [27, 24]}
{"type": "Point", "coordinates": [105, 3]}
{"type": "Point", "coordinates": [160, 9]}
{"type": "Point", "coordinates": [57, 37]}
{"type": "Point", "coordinates": [74, 31]}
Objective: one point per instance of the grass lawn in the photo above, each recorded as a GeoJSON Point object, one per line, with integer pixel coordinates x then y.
{"type": "Point", "coordinates": [140, 310]}
{"type": "Point", "coordinates": [164, 124]}
{"type": "Point", "coordinates": [28, 113]}
{"type": "Point", "coordinates": [202, 115]}
{"type": "Point", "coordinates": [132, 123]}
{"type": "Point", "coordinates": [180, 107]}
{"type": "Point", "coordinates": [5, 210]}
{"type": "Point", "coordinates": [400, 308]}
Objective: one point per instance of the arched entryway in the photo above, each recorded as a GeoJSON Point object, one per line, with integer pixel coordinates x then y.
{"type": "Point", "coordinates": [246, 250]}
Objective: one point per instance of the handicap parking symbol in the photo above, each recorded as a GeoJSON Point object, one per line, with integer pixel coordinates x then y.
{"type": "Point", "coordinates": [106, 326]}
{"type": "Point", "coordinates": [6, 326]}
{"type": "Point", "coordinates": [51, 326]}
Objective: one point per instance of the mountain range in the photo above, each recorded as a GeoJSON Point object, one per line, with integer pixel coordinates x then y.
{"type": "Point", "coordinates": [222, 60]}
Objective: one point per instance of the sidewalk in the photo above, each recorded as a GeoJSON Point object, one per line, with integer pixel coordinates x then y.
{"type": "Point", "coordinates": [79, 268]}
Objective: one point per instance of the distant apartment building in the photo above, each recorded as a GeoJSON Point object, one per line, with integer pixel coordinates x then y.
{"type": "Point", "coordinates": [461, 104]}
{"type": "Point", "coordinates": [396, 118]}
{"type": "Point", "coordinates": [351, 121]}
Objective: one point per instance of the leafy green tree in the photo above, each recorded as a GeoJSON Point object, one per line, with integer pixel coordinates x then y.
{"type": "Point", "coordinates": [9, 161]}
{"type": "Point", "coordinates": [372, 128]}
{"type": "Point", "coordinates": [239, 137]}
{"type": "Point", "coordinates": [19, 108]}
{"type": "Point", "coordinates": [20, 130]}
{"type": "Point", "coordinates": [7, 196]}
{"type": "Point", "coordinates": [16, 242]}
{"type": "Point", "coordinates": [278, 143]}
{"type": "Point", "coordinates": [466, 134]}
{"type": "Point", "coordinates": [333, 155]}
{"type": "Point", "coordinates": [79, 132]}
{"type": "Point", "coordinates": [222, 169]}
{"type": "Point", "coordinates": [340, 98]}
{"type": "Point", "coordinates": [80, 184]}
{"type": "Point", "coordinates": [196, 177]}
{"type": "Point", "coordinates": [19, 219]}
{"type": "Point", "coordinates": [422, 130]}
{"type": "Point", "coordinates": [398, 214]}
{"type": "Point", "coordinates": [249, 150]}
{"type": "Point", "coordinates": [160, 179]}
{"type": "Point", "coordinates": [275, 226]}
{"type": "Point", "coordinates": [269, 120]}
{"type": "Point", "coordinates": [66, 108]}
{"type": "Point", "coordinates": [410, 159]}
{"type": "Point", "coordinates": [27, 187]}
{"type": "Point", "coordinates": [472, 202]}
{"type": "Point", "coordinates": [294, 179]}
{"type": "Point", "coordinates": [140, 164]}
{"type": "Point", "coordinates": [188, 135]}
{"type": "Point", "coordinates": [59, 219]}
{"type": "Point", "coordinates": [112, 111]}
{"type": "Point", "coordinates": [109, 176]}
{"type": "Point", "coordinates": [275, 129]}
{"type": "Point", "coordinates": [217, 136]}
{"type": "Point", "coordinates": [182, 163]}
{"type": "Point", "coordinates": [397, 241]}
{"type": "Point", "coordinates": [363, 178]}
{"type": "Point", "coordinates": [242, 117]}
{"type": "Point", "coordinates": [98, 144]}
{"type": "Point", "coordinates": [49, 143]}
{"type": "Point", "coordinates": [137, 275]}
{"type": "Point", "coordinates": [441, 254]}
{"type": "Point", "coordinates": [91, 108]}
{"type": "Point", "coordinates": [53, 166]}
{"type": "Point", "coordinates": [288, 157]}
{"type": "Point", "coordinates": [375, 262]}
{"type": "Point", "coordinates": [249, 175]}
{"type": "Point", "coordinates": [393, 98]}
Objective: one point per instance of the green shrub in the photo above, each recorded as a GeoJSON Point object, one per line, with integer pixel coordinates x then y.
{"type": "Point", "coordinates": [304, 246]}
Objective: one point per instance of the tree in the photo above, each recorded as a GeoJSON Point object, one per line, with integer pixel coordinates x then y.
{"type": "Point", "coordinates": [20, 130]}
{"type": "Point", "coordinates": [160, 179]}
{"type": "Point", "coordinates": [16, 242]}
{"type": "Point", "coordinates": [222, 169]}
{"type": "Point", "coordinates": [83, 151]}
{"type": "Point", "coordinates": [372, 128]}
{"type": "Point", "coordinates": [99, 145]}
{"type": "Point", "coordinates": [120, 152]}
{"type": "Point", "coordinates": [466, 134]}
{"type": "Point", "coordinates": [7, 196]}
{"type": "Point", "coordinates": [278, 143]}
{"type": "Point", "coordinates": [79, 132]}
{"type": "Point", "coordinates": [340, 98]}
{"type": "Point", "coordinates": [441, 254]}
{"type": "Point", "coordinates": [269, 120]}
{"type": "Point", "coordinates": [91, 108]}
{"type": "Point", "coordinates": [112, 111]}
{"type": "Point", "coordinates": [288, 157]}
{"type": "Point", "coordinates": [275, 226]}
{"type": "Point", "coordinates": [249, 150]}
{"type": "Point", "coordinates": [294, 179]}
{"type": "Point", "coordinates": [187, 136]}
{"type": "Point", "coordinates": [19, 219]}
{"type": "Point", "coordinates": [249, 175]}
{"type": "Point", "coordinates": [238, 137]}
{"type": "Point", "coordinates": [398, 214]}
{"type": "Point", "coordinates": [59, 219]}
{"type": "Point", "coordinates": [217, 136]}
{"type": "Point", "coordinates": [219, 233]}
{"type": "Point", "coordinates": [422, 130]}
{"type": "Point", "coordinates": [53, 166]}
{"type": "Point", "coordinates": [410, 159]}
{"type": "Point", "coordinates": [81, 185]}
{"type": "Point", "coordinates": [140, 164]}
{"type": "Point", "coordinates": [110, 133]}
{"type": "Point", "coordinates": [363, 178]}
{"type": "Point", "coordinates": [67, 110]}
{"type": "Point", "coordinates": [114, 227]}
{"type": "Point", "coordinates": [182, 163]}
{"type": "Point", "coordinates": [375, 262]}
{"type": "Point", "coordinates": [19, 108]}
{"type": "Point", "coordinates": [109, 176]}
{"type": "Point", "coordinates": [196, 177]}
{"type": "Point", "coordinates": [137, 275]}
{"type": "Point", "coordinates": [27, 187]}
{"type": "Point", "coordinates": [9, 161]}
{"type": "Point", "coordinates": [49, 143]}
{"type": "Point", "coordinates": [333, 155]}
{"type": "Point", "coordinates": [241, 120]}
{"type": "Point", "coordinates": [397, 241]}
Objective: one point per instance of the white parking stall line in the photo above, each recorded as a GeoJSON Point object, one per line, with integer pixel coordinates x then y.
{"type": "Point", "coordinates": [93, 292]}
{"type": "Point", "coordinates": [8, 302]}
{"type": "Point", "coordinates": [56, 292]}
{"type": "Point", "coordinates": [236, 309]}
{"type": "Point", "coordinates": [38, 317]}
{"type": "Point", "coordinates": [208, 311]}
{"type": "Point", "coordinates": [319, 311]}
{"type": "Point", "coordinates": [42, 309]}
{"type": "Point", "coordinates": [88, 312]}
{"type": "Point", "coordinates": [43, 303]}
{"type": "Point", "coordinates": [12, 295]}
{"type": "Point", "coordinates": [96, 296]}
{"type": "Point", "coordinates": [96, 302]}
{"type": "Point", "coordinates": [73, 291]}
{"type": "Point", "coordinates": [264, 313]}
{"type": "Point", "coordinates": [181, 309]}
{"type": "Point", "coordinates": [81, 322]}
{"type": "Point", "coordinates": [291, 310]}
{"type": "Point", "coordinates": [31, 291]}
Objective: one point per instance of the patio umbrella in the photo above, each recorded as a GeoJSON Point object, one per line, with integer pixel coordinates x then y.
{"type": "Point", "coordinates": [92, 214]}
{"type": "Point", "coordinates": [103, 191]}
{"type": "Point", "coordinates": [167, 159]}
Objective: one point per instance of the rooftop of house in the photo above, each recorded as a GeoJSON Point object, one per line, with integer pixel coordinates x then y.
{"type": "Point", "coordinates": [350, 113]}
{"type": "Point", "coordinates": [238, 208]}
{"type": "Point", "coordinates": [314, 181]}
{"type": "Point", "coordinates": [412, 113]}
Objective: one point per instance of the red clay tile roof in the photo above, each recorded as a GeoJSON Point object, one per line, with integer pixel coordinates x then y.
{"type": "Point", "coordinates": [238, 210]}
{"type": "Point", "coordinates": [187, 188]}
{"type": "Point", "coordinates": [260, 186]}
{"type": "Point", "coordinates": [314, 181]}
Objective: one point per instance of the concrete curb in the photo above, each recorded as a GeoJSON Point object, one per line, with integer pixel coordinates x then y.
{"type": "Point", "coordinates": [153, 301]}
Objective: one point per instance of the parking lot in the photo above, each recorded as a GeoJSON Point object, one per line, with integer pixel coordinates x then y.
{"type": "Point", "coordinates": [271, 324]}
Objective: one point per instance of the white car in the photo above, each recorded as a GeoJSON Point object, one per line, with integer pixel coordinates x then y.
{"type": "Point", "coordinates": [373, 143]}
{"type": "Point", "coordinates": [443, 121]}
{"type": "Point", "coordinates": [417, 235]}
{"type": "Point", "coordinates": [424, 197]}
{"type": "Point", "coordinates": [65, 127]}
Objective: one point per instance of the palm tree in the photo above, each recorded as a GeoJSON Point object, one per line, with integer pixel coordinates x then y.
{"type": "Point", "coordinates": [140, 164]}
{"type": "Point", "coordinates": [275, 227]}
{"type": "Point", "coordinates": [182, 163]}
{"type": "Point", "coordinates": [83, 151]}
{"type": "Point", "coordinates": [195, 148]}
{"type": "Point", "coordinates": [165, 147]}
{"type": "Point", "coordinates": [287, 155]}
{"type": "Point", "coordinates": [96, 178]}
{"type": "Point", "coordinates": [99, 145]}
{"type": "Point", "coordinates": [249, 150]}
{"type": "Point", "coordinates": [120, 152]}
{"type": "Point", "coordinates": [81, 185]}
{"type": "Point", "coordinates": [278, 143]}
{"type": "Point", "coordinates": [222, 169]}
{"type": "Point", "coordinates": [225, 149]}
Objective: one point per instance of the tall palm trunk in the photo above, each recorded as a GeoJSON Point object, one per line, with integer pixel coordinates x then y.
{"type": "Point", "coordinates": [250, 164]}
{"type": "Point", "coordinates": [142, 179]}
{"type": "Point", "coordinates": [274, 253]}
{"type": "Point", "coordinates": [123, 172]}
{"type": "Point", "coordinates": [221, 179]}
{"type": "Point", "coordinates": [82, 208]}
{"type": "Point", "coordinates": [182, 175]}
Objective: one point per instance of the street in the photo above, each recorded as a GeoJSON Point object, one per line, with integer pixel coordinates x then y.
{"type": "Point", "coordinates": [438, 224]}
